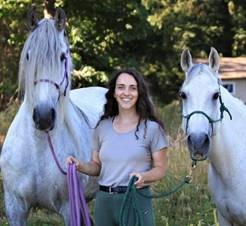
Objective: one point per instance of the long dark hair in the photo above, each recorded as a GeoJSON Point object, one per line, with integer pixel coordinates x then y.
{"type": "Point", "coordinates": [144, 106]}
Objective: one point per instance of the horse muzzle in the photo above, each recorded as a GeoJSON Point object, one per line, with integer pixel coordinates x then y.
{"type": "Point", "coordinates": [44, 117]}
{"type": "Point", "coordinates": [198, 145]}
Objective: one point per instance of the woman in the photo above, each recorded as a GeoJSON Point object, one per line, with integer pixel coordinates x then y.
{"type": "Point", "coordinates": [128, 141]}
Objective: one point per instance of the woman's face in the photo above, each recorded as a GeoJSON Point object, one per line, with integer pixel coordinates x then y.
{"type": "Point", "coordinates": [126, 92]}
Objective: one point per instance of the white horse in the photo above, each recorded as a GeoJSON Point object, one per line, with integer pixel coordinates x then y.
{"type": "Point", "coordinates": [214, 122]}
{"type": "Point", "coordinates": [30, 174]}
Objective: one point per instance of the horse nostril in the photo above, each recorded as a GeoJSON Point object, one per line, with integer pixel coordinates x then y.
{"type": "Point", "coordinates": [34, 115]}
{"type": "Point", "coordinates": [206, 140]}
{"type": "Point", "coordinates": [189, 140]}
{"type": "Point", "coordinates": [53, 114]}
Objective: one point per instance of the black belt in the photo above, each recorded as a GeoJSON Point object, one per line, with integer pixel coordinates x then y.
{"type": "Point", "coordinates": [111, 190]}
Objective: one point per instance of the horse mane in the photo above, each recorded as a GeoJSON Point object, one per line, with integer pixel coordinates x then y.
{"type": "Point", "coordinates": [234, 104]}
{"type": "Point", "coordinates": [41, 54]}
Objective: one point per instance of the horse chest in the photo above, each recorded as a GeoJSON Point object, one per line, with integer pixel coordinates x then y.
{"type": "Point", "coordinates": [230, 200]}
{"type": "Point", "coordinates": [232, 209]}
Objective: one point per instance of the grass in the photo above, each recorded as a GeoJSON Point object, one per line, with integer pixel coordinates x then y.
{"type": "Point", "coordinates": [190, 206]}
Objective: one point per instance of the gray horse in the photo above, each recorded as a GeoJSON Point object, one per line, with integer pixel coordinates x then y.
{"type": "Point", "coordinates": [30, 175]}
{"type": "Point", "coordinates": [214, 122]}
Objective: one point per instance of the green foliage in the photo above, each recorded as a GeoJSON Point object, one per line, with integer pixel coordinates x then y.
{"type": "Point", "coordinates": [88, 76]}
{"type": "Point", "coordinates": [148, 35]}
{"type": "Point", "coordinates": [184, 24]}
{"type": "Point", "coordinates": [6, 118]}
{"type": "Point", "coordinates": [237, 10]}
{"type": "Point", "coordinates": [11, 39]}
{"type": "Point", "coordinates": [108, 34]}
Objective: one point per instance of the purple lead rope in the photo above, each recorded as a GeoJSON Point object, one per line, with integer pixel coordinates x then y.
{"type": "Point", "coordinates": [77, 203]}
{"type": "Point", "coordinates": [54, 154]}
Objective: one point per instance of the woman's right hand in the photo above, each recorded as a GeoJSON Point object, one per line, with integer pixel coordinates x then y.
{"type": "Point", "coordinates": [91, 168]}
{"type": "Point", "coordinates": [73, 160]}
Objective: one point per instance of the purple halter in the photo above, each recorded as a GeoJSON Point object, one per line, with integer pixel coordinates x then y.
{"type": "Point", "coordinates": [77, 202]}
{"type": "Point", "coordinates": [65, 77]}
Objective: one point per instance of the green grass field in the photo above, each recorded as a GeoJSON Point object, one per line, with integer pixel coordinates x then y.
{"type": "Point", "coordinates": [190, 206]}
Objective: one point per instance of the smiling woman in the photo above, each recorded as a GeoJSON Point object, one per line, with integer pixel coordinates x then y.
{"type": "Point", "coordinates": [129, 140]}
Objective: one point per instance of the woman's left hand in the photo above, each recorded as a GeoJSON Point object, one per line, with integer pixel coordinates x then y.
{"type": "Point", "coordinates": [140, 181]}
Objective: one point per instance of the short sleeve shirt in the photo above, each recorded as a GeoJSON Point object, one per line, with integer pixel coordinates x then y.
{"type": "Point", "coordinates": [124, 153]}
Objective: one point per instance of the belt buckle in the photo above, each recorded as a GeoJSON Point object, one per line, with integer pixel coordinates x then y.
{"type": "Point", "coordinates": [110, 190]}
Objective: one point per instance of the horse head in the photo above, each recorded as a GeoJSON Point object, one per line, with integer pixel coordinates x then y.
{"type": "Point", "coordinates": [201, 102]}
{"type": "Point", "coordinates": [45, 66]}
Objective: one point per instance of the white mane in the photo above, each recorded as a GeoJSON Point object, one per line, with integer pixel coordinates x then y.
{"type": "Point", "coordinates": [233, 104]}
{"type": "Point", "coordinates": [40, 57]}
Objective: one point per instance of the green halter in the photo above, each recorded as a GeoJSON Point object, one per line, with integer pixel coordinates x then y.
{"type": "Point", "coordinates": [211, 121]}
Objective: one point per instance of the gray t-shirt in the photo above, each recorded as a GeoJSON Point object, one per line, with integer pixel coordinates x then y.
{"type": "Point", "coordinates": [122, 153]}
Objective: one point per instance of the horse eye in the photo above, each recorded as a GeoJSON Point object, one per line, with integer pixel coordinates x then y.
{"type": "Point", "coordinates": [28, 55]}
{"type": "Point", "coordinates": [63, 56]}
{"type": "Point", "coordinates": [182, 95]}
{"type": "Point", "coordinates": [215, 96]}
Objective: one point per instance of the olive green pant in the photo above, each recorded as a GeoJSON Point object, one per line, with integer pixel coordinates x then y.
{"type": "Point", "coordinates": [108, 206]}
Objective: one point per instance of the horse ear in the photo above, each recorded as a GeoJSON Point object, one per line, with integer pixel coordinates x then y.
{"type": "Point", "coordinates": [32, 19]}
{"type": "Point", "coordinates": [186, 60]}
{"type": "Point", "coordinates": [60, 19]}
{"type": "Point", "coordinates": [214, 59]}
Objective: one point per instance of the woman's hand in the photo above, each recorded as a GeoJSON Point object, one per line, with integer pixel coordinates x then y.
{"type": "Point", "coordinates": [73, 160]}
{"type": "Point", "coordinates": [140, 181]}
{"type": "Point", "coordinates": [91, 168]}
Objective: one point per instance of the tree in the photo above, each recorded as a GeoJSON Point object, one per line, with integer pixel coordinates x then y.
{"type": "Point", "coordinates": [237, 11]}
{"type": "Point", "coordinates": [146, 34]}
{"type": "Point", "coordinates": [11, 30]}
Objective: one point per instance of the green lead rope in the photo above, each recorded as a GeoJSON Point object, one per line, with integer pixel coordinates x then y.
{"type": "Point", "coordinates": [130, 203]}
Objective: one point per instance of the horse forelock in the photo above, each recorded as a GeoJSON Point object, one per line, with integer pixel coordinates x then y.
{"type": "Point", "coordinates": [40, 57]}
{"type": "Point", "coordinates": [198, 69]}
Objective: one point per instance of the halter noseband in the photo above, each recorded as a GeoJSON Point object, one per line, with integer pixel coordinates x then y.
{"type": "Point", "coordinates": [211, 121]}
{"type": "Point", "coordinates": [57, 86]}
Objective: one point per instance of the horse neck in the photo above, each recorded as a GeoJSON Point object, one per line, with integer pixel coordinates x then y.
{"type": "Point", "coordinates": [237, 110]}
{"type": "Point", "coordinates": [227, 145]}
{"type": "Point", "coordinates": [78, 126]}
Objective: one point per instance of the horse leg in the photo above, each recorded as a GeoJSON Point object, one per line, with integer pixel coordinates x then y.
{"type": "Point", "coordinates": [223, 221]}
{"type": "Point", "coordinates": [64, 212]}
{"type": "Point", "coordinates": [16, 210]}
